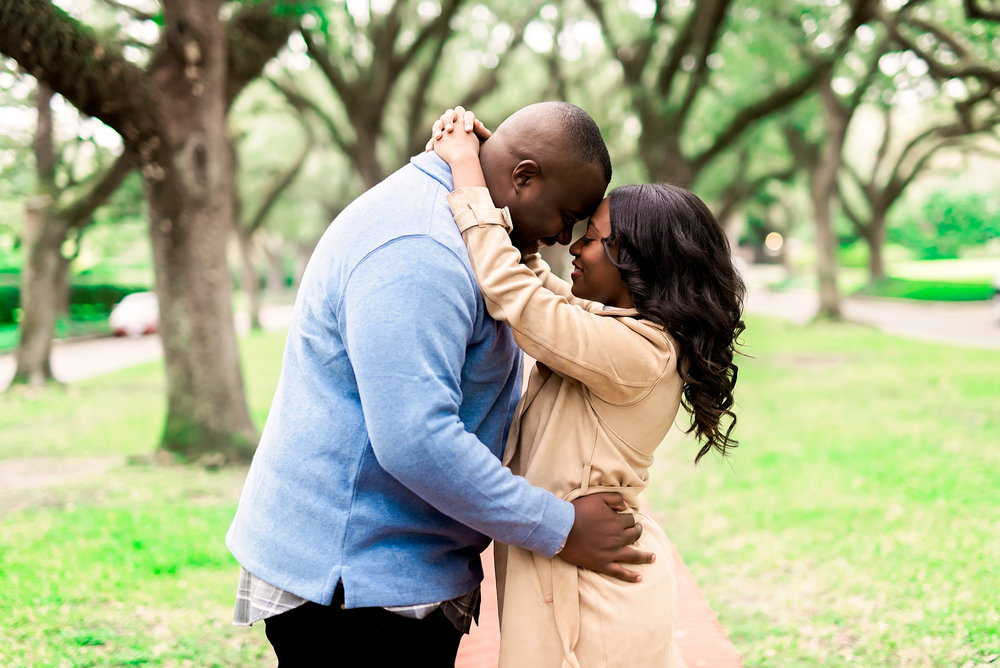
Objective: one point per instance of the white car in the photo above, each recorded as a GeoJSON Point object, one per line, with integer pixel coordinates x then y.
{"type": "Point", "coordinates": [136, 314]}
{"type": "Point", "coordinates": [996, 299]}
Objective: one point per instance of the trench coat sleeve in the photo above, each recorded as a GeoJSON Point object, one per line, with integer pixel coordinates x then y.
{"type": "Point", "coordinates": [601, 350]}
{"type": "Point", "coordinates": [550, 281]}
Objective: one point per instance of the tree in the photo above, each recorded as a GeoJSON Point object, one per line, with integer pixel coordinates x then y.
{"type": "Point", "coordinates": [960, 80]}
{"type": "Point", "coordinates": [59, 208]}
{"type": "Point", "coordinates": [821, 154]}
{"type": "Point", "coordinates": [379, 66]}
{"type": "Point", "coordinates": [975, 10]}
{"type": "Point", "coordinates": [948, 221]}
{"type": "Point", "coordinates": [867, 197]}
{"type": "Point", "coordinates": [171, 115]}
{"type": "Point", "coordinates": [269, 188]}
{"type": "Point", "coordinates": [690, 108]}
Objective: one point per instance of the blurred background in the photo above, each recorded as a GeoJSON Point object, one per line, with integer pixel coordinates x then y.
{"type": "Point", "coordinates": [167, 167]}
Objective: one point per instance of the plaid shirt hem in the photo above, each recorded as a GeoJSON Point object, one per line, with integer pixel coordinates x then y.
{"type": "Point", "coordinates": [257, 600]}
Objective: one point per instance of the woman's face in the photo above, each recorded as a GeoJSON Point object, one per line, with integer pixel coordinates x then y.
{"type": "Point", "coordinates": [594, 277]}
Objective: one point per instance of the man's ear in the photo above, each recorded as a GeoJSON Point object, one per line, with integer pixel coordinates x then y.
{"type": "Point", "coordinates": [524, 173]}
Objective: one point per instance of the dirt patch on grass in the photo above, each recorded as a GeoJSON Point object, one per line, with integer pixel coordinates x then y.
{"type": "Point", "coordinates": [47, 471]}
{"type": "Point", "coordinates": [37, 481]}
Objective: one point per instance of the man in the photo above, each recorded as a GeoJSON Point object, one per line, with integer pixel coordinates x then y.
{"type": "Point", "coordinates": [377, 482]}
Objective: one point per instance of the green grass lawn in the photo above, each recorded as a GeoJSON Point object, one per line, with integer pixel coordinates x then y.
{"type": "Point", "coordinates": [928, 290]}
{"type": "Point", "coordinates": [856, 525]}
{"type": "Point", "coordinates": [968, 279]}
{"type": "Point", "coordinates": [127, 567]}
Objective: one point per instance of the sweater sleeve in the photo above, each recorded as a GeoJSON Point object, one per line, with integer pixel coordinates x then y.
{"type": "Point", "coordinates": [597, 350]}
{"type": "Point", "coordinates": [409, 310]}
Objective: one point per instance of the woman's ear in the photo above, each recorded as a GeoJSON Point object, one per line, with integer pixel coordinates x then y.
{"type": "Point", "coordinates": [524, 172]}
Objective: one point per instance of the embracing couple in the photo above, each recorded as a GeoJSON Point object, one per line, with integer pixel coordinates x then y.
{"type": "Point", "coordinates": [399, 441]}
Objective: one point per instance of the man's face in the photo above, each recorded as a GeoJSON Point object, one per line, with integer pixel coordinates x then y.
{"type": "Point", "coordinates": [546, 206]}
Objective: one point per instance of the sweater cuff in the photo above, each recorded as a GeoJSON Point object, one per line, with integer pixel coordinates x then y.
{"type": "Point", "coordinates": [549, 538]}
{"type": "Point", "coordinates": [472, 205]}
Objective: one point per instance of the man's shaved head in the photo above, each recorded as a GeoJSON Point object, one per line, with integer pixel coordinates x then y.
{"type": "Point", "coordinates": [548, 163]}
{"type": "Point", "coordinates": [555, 125]}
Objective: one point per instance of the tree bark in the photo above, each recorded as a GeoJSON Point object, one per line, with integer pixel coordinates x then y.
{"type": "Point", "coordinates": [41, 272]}
{"type": "Point", "coordinates": [275, 276]}
{"type": "Point", "coordinates": [249, 277]}
{"type": "Point", "coordinates": [45, 275]}
{"type": "Point", "coordinates": [875, 238]}
{"type": "Point", "coordinates": [823, 187]}
{"type": "Point", "coordinates": [43, 268]}
{"type": "Point", "coordinates": [190, 209]}
{"type": "Point", "coordinates": [826, 246]}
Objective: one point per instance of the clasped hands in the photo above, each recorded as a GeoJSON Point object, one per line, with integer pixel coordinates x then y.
{"type": "Point", "coordinates": [457, 116]}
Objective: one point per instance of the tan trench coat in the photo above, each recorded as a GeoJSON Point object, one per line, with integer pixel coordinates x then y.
{"type": "Point", "coordinates": [600, 399]}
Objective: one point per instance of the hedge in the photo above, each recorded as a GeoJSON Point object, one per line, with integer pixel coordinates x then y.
{"type": "Point", "coordinates": [86, 302]}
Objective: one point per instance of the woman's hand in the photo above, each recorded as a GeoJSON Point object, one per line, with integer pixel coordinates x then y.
{"type": "Point", "coordinates": [457, 119]}
{"type": "Point", "coordinates": [455, 137]}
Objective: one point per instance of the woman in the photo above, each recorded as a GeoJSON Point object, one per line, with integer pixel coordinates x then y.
{"type": "Point", "coordinates": [649, 324]}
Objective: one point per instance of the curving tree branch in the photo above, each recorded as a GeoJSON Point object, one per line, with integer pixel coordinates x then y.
{"type": "Point", "coordinates": [976, 11]}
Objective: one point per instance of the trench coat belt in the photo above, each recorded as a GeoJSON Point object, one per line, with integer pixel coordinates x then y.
{"type": "Point", "coordinates": [565, 590]}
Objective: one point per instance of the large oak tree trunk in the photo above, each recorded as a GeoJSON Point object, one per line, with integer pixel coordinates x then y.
{"type": "Point", "coordinates": [823, 186]}
{"type": "Point", "coordinates": [826, 246]}
{"type": "Point", "coordinates": [275, 276]}
{"type": "Point", "coordinates": [43, 282]}
{"type": "Point", "coordinates": [875, 234]}
{"type": "Point", "coordinates": [664, 159]}
{"type": "Point", "coordinates": [249, 277]}
{"type": "Point", "coordinates": [366, 158]}
{"type": "Point", "coordinates": [48, 227]}
{"type": "Point", "coordinates": [190, 221]}
{"type": "Point", "coordinates": [44, 272]}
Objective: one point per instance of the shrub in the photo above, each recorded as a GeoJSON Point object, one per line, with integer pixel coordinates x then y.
{"type": "Point", "coordinates": [928, 290]}
{"type": "Point", "coordinates": [10, 298]}
{"type": "Point", "coordinates": [86, 302]}
{"type": "Point", "coordinates": [948, 221]}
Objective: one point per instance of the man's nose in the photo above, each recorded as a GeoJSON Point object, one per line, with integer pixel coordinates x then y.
{"type": "Point", "coordinates": [565, 236]}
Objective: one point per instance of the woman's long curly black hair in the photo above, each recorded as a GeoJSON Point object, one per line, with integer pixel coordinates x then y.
{"type": "Point", "coordinates": [675, 260]}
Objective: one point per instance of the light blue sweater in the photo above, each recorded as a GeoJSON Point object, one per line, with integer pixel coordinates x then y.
{"type": "Point", "coordinates": [379, 463]}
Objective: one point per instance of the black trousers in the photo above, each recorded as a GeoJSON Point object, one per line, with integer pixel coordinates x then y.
{"type": "Point", "coordinates": [314, 636]}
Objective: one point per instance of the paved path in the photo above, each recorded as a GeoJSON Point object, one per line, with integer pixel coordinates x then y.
{"type": "Point", "coordinates": [79, 359]}
{"type": "Point", "coordinates": [968, 324]}
{"type": "Point", "coordinates": [964, 323]}
{"type": "Point", "coordinates": [702, 640]}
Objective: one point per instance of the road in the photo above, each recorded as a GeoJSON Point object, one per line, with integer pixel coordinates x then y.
{"type": "Point", "coordinates": [969, 324]}
{"type": "Point", "coordinates": [80, 359]}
